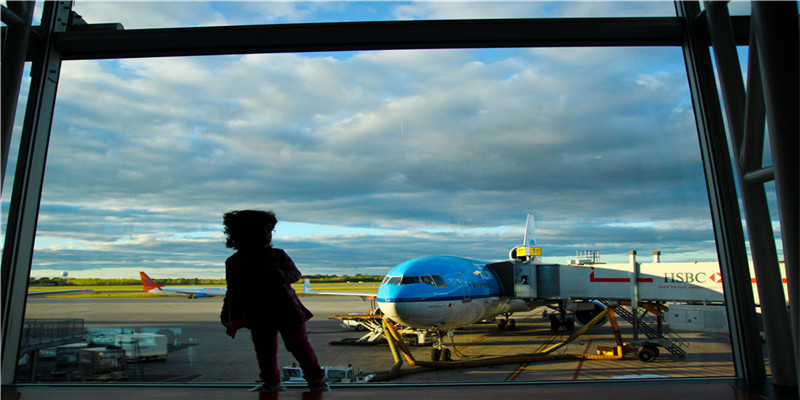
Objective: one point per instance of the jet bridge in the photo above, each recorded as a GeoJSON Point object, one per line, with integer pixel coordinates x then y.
{"type": "Point", "coordinates": [527, 278]}
{"type": "Point", "coordinates": [585, 287]}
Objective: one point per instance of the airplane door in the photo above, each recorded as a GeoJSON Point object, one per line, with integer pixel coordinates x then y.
{"type": "Point", "coordinates": [464, 287]}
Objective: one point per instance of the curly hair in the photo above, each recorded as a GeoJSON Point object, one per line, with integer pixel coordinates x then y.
{"type": "Point", "coordinates": [248, 228]}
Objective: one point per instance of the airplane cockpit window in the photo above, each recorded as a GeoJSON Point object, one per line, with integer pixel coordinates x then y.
{"type": "Point", "coordinates": [433, 280]}
{"type": "Point", "coordinates": [439, 281]}
{"type": "Point", "coordinates": [391, 280]}
{"type": "Point", "coordinates": [407, 280]}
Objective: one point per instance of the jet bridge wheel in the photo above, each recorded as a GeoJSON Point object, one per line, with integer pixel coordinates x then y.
{"type": "Point", "coordinates": [570, 324]}
{"type": "Point", "coordinates": [554, 324]}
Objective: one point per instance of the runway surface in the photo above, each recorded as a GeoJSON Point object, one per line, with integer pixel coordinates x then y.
{"type": "Point", "coordinates": [202, 353]}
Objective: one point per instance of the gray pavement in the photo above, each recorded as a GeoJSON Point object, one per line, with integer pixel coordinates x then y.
{"type": "Point", "coordinates": [204, 354]}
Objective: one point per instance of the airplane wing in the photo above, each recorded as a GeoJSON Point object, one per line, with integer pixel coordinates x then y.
{"type": "Point", "coordinates": [364, 296]}
{"type": "Point", "coordinates": [69, 291]}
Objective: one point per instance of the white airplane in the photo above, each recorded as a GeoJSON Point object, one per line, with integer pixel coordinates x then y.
{"type": "Point", "coordinates": [364, 296]}
{"type": "Point", "coordinates": [148, 285]}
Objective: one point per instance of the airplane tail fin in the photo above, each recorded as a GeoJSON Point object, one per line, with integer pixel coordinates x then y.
{"type": "Point", "coordinates": [147, 283]}
{"type": "Point", "coordinates": [307, 286]}
{"type": "Point", "coordinates": [530, 229]}
{"type": "Point", "coordinates": [528, 250]}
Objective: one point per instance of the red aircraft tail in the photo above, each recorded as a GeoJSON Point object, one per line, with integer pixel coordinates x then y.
{"type": "Point", "coordinates": [147, 283]}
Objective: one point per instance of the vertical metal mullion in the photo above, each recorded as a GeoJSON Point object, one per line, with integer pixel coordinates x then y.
{"type": "Point", "coordinates": [777, 31]}
{"type": "Point", "coordinates": [15, 48]}
{"type": "Point", "coordinates": [751, 154]}
{"type": "Point", "coordinates": [25, 199]}
{"type": "Point", "coordinates": [754, 201]}
{"type": "Point", "coordinates": [723, 201]}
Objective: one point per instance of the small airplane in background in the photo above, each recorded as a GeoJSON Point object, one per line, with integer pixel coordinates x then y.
{"type": "Point", "coordinates": [148, 285]}
{"type": "Point", "coordinates": [58, 292]}
{"type": "Point", "coordinates": [364, 296]}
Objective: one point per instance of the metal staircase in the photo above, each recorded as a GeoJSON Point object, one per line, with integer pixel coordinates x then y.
{"type": "Point", "coordinates": [651, 325]}
{"type": "Point", "coordinates": [134, 362]}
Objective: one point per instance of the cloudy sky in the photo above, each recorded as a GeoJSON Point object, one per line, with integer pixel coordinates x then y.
{"type": "Point", "coordinates": [369, 158]}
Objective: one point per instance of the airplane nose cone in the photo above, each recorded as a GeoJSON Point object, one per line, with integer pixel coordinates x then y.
{"type": "Point", "coordinates": [390, 301]}
{"type": "Point", "coordinates": [389, 310]}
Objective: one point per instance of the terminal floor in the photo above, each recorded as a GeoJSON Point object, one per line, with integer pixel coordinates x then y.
{"type": "Point", "coordinates": [706, 390]}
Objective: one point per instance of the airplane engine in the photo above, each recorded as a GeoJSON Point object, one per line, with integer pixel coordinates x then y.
{"type": "Point", "coordinates": [587, 310]}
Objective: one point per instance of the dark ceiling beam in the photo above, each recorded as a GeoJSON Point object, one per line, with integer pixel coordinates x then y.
{"type": "Point", "coordinates": [386, 35]}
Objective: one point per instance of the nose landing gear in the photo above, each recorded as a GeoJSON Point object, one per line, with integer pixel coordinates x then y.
{"type": "Point", "coordinates": [442, 353]}
{"type": "Point", "coordinates": [439, 351]}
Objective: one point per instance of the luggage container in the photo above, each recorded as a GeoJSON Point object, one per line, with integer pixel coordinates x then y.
{"type": "Point", "coordinates": [143, 346]}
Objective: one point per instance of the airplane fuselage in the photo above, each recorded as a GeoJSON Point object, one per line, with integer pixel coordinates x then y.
{"type": "Point", "coordinates": [443, 292]}
{"type": "Point", "coordinates": [190, 291]}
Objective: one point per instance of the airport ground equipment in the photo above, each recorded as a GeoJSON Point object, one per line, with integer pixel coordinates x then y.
{"type": "Point", "coordinates": [658, 334]}
{"type": "Point", "coordinates": [369, 322]}
{"type": "Point", "coordinates": [102, 364]}
{"type": "Point", "coordinates": [133, 362]}
{"type": "Point", "coordinates": [143, 346]}
{"type": "Point", "coordinates": [400, 351]}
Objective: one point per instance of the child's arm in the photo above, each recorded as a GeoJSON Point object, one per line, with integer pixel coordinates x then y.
{"type": "Point", "coordinates": [289, 272]}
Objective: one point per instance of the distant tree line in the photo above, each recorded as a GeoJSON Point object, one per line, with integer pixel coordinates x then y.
{"type": "Point", "coordinates": [343, 278]}
{"type": "Point", "coordinates": [318, 278]}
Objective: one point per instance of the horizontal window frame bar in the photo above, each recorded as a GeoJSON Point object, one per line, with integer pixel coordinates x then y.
{"type": "Point", "coordinates": [382, 35]}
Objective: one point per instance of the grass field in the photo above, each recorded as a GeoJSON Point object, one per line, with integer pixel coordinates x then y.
{"type": "Point", "coordinates": [136, 290]}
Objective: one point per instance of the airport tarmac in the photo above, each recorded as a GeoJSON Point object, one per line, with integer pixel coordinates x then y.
{"type": "Point", "coordinates": [202, 353]}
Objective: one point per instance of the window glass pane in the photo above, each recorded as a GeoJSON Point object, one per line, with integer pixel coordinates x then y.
{"type": "Point", "coordinates": [399, 154]}
{"type": "Point", "coordinates": [13, 152]}
{"type": "Point", "coordinates": [143, 14]}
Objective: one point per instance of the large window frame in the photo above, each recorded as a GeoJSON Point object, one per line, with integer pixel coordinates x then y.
{"type": "Point", "coordinates": [60, 38]}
